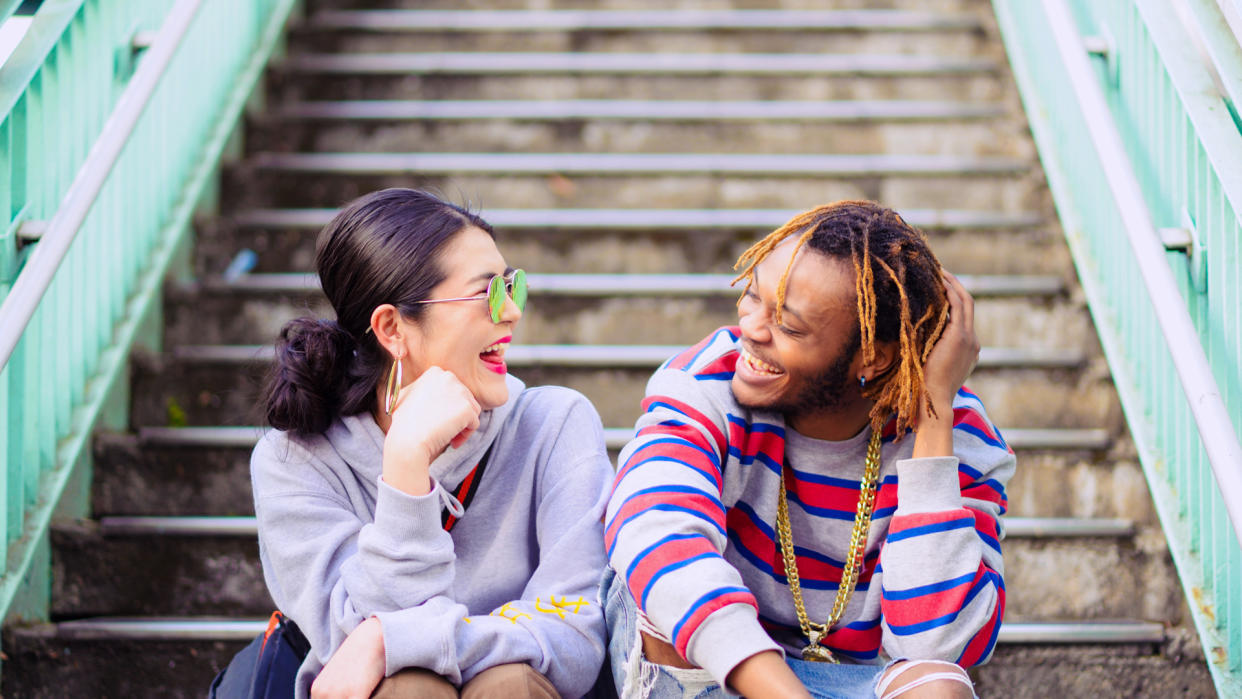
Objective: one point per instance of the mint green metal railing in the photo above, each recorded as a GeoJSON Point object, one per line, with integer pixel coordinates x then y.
{"type": "Point", "coordinates": [1142, 150]}
{"type": "Point", "coordinates": [113, 118]}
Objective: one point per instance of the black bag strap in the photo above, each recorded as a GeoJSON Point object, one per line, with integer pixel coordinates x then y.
{"type": "Point", "coordinates": [466, 490]}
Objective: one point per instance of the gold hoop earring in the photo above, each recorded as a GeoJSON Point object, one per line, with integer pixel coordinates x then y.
{"type": "Point", "coordinates": [394, 387]}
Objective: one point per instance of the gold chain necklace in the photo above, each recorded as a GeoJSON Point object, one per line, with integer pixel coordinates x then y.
{"type": "Point", "coordinates": [853, 563]}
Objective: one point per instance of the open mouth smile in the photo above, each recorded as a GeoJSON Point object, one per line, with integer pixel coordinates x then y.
{"type": "Point", "coordinates": [494, 355]}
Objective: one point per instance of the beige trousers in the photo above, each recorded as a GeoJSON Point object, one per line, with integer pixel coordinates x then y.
{"type": "Point", "coordinates": [517, 680]}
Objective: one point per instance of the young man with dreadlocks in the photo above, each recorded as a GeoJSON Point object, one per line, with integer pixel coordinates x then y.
{"type": "Point", "coordinates": [814, 483]}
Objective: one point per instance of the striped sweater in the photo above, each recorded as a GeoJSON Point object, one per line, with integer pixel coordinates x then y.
{"type": "Point", "coordinates": [690, 527]}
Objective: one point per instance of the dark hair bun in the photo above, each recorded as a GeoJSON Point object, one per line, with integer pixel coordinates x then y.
{"type": "Point", "coordinates": [312, 360]}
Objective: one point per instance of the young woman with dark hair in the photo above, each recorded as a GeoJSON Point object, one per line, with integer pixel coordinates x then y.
{"type": "Point", "coordinates": [427, 521]}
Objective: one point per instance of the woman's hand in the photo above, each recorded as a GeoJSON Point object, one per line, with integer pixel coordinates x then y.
{"type": "Point", "coordinates": [434, 412]}
{"type": "Point", "coordinates": [356, 668]}
{"type": "Point", "coordinates": [950, 362]}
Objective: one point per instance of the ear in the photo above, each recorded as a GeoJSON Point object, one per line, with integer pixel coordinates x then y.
{"type": "Point", "coordinates": [387, 326]}
{"type": "Point", "coordinates": [885, 357]}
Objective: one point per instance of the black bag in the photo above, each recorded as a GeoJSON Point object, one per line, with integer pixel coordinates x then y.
{"type": "Point", "coordinates": [267, 668]}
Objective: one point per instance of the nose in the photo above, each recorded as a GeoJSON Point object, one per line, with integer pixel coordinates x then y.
{"type": "Point", "coordinates": [509, 312]}
{"type": "Point", "coordinates": [754, 325]}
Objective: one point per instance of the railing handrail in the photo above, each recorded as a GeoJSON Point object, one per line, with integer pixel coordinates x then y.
{"type": "Point", "coordinates": [1216, 430]}
{"type": "Point", "coordinates": [37, 274]}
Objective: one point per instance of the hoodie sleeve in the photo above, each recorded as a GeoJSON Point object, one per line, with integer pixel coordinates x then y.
{"type": "Point", "coordinates": [943, 575]}
{"type": "Point", "coordinates": [326, 567]}
{"type": "Point", "coordinates": [557, 624]}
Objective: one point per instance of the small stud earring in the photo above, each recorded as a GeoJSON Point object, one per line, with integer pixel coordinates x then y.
{"type": "Point", "coordinates": [862, 381]}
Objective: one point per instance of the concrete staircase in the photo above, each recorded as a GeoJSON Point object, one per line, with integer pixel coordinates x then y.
{"type": "Point", "coordinates": [626, 158]}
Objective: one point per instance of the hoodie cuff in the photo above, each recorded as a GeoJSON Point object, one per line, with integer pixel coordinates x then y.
{"type": "Point", "coordinates": [401, 518]}
{"type": "Point", "coordinates": [726, 638]}
{"type": "Point", "coordinates": [929, 484]}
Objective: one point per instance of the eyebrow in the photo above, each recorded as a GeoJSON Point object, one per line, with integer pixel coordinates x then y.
{"type": "Point", "coordinates": [785, 308]}
{"type": "Point", "coordinates": [487, 276]}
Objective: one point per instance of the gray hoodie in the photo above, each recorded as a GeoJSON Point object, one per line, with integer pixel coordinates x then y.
{"type": "Point", "coordinates": [516, 579]}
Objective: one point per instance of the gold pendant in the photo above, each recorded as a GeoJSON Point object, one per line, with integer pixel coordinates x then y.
{"type": "Point", "coordinates": [817, 653]}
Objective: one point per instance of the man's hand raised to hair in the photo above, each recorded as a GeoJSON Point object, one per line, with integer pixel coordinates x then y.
{"type": "Point", "coordinates": [951, 360]}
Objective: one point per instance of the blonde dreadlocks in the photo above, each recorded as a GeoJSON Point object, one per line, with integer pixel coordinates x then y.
{"type": "Point", "coordinates": [909, 284]}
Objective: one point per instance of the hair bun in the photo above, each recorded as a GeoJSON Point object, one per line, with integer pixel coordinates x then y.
{"type": "Point", "coordinates": [312, 359]}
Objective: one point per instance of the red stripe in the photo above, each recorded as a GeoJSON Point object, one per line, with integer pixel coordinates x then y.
{"type": "Point", "coordinates": [722, 446]}
{"type": "Point", "coordinates": [978, 649]}
{"type": "Point", "coordinates": [971, 417]}
{"type": "Point", "coordinates": [692, 624]}
{"type": "Point", "coordinates": [979, 491]}
{"type": "Point", "coordinates": [725, 364]}
{"type": "Point", "coordinates": [824, 495]}
{"type": "Point", "coordinates": [860, 641]}
{"type": "Point", "coordinates": [757, 542]}
{"type": "Point", "coordinates": [682, 360]}
{"type": "Point", "coordinates": [754, 442]}
{"type": "Point", "coordinates": [986, 523]}
{"type": "Point", "coordinates": [698, 503]}
{"type": "Point", "coordinates": [680, 452]}
{"type": "Point", "coordinates": [927, 607]}
{"type": "Point", "coordinates": [687, 432]}
{"type": "Point", "coordinates": [667, 553]}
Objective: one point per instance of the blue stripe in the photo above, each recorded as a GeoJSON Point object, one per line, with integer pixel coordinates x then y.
{"type": "Point", "coordinates": [869, 655]}
{"type": "Point", "coordinates": [682, 441]}
{"type": "Point", "coordinates": [989, 647]}
{"type": "Point", "coordinates": [661, 404]}
{"type": "Point", "coordinates": [761, 457]}
{"type": "Point", "coordinates": [718, 592]}
{"type": "Point", "coordinates": [672, 567]}
{"type": "Point", "coordinates": [962, 523]}
{"type": "Point", "coordinates": [975, 475]}
{"type": "Point", "coordinates": [710, 477]}
{"type": "Point", "coordinates": [989, 540]}
{"type": "Point", "coordinates": [745, 508]}
{"type": "Point", "coordinates": [863, 625]}
{"type": "Point", "coordinates": [643, 554]}
{"type": "Point", "coordinates": [988, 580]}
{"type": "Point", "coordinates": [706, 346]}
{"type": "Point", "coordinates": [822, 512]}
{"type": "Point", "coordinates": [756, 426]}
{"type": "Point", "coordinates": [921, 590]}
{"type": "Point", "coordinates": [662, 508]}
{"type": "Point", "coordinates": [983, 436]}
{"type": "Point", "coordinates": [718, 376]}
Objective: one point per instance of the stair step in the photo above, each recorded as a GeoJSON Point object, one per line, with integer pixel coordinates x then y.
{"type": "Point", "coordinates": [614, 437]}
{"type": "Point", "coordinates": [637, 110]}
{"type": "Point", "coordinates": [1059, 568]}
{"type": "Point", "coordinates": [474, 21]}
{"type": "Point", "coordinates": [231, 629]}
{"type": "Point", "coordinates": [631, 164]}
{"type": "Point", "coordinates": [714, 64]}
{"type": "Point", "coordinates": [629, 356]}
{"type": "Point", "coordinates": [655, 219]}
{"type": "Point", "coordinates": [662, 285]}
{"type": "Point", "coordinates": [1015, 527]}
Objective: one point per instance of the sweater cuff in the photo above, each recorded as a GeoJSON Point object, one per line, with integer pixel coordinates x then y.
{"type": "Point", "coordinates": [727, 637]}
{"type": "Point", "coordinates": [929, 484]}
{"type": "Point", "coordinates": [404, 518]}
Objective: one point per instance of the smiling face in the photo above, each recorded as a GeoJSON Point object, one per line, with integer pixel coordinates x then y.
{"type": "Point", "coordinates": [459, 336]}
{"type": "Point", "coordinates": [807, 365]}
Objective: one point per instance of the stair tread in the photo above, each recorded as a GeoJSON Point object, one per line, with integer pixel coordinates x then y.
{"type": "Point", "coordinates": [655, 219]}
{"type": "Point", "coordinates": [642, 20]}
{"type": "Point", "coordinates": [653, 110]}
{"type": "Point", "coordinates": [244, 629]}
{"type": "Point", "coordinates": [1015, 527]}
{"type": "Point", "coordinates": [617, 356]}
{"type": "Point", "coordinates": [540, 62]}
{"type": "Point", "coordinates": [245, 436]}
{"type": "Point", "coordinates": [630, 164]}
{"type": "Point", "coordinates": [979, 285]}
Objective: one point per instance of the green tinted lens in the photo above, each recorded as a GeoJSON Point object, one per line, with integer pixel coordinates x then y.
{"type": "Point", "coordinates": [519, 289]}
{"type": "Point", "coordinates": [496, 297]}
